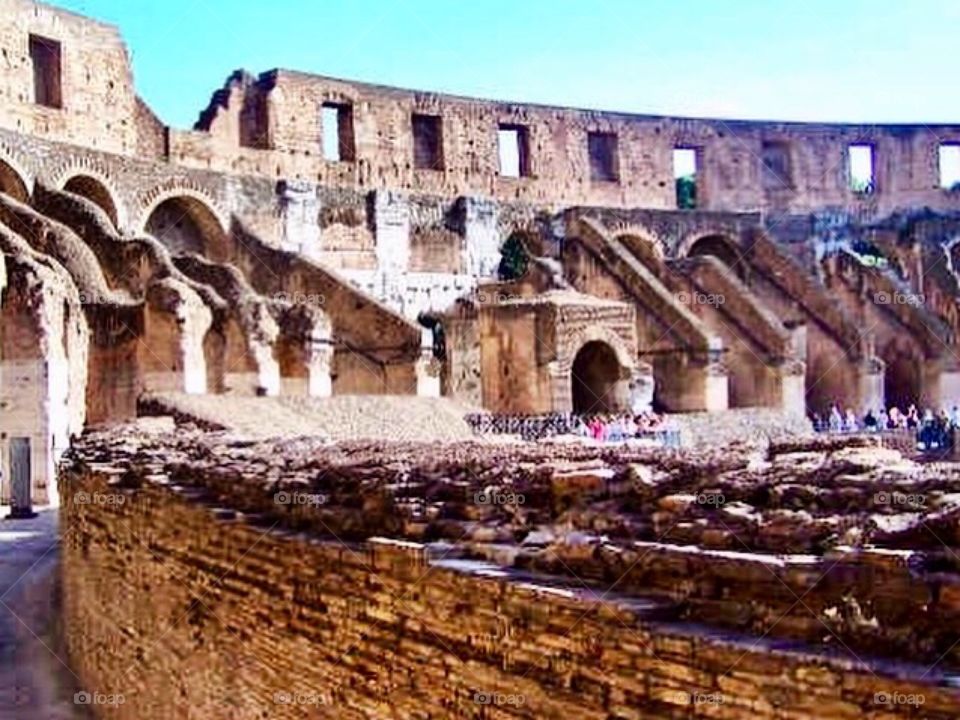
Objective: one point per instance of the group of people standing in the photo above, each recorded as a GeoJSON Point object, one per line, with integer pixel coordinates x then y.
{"type": "Point", "coordinates": [838, 420]}
{"type": "Point", "coordinates": [617, 428]}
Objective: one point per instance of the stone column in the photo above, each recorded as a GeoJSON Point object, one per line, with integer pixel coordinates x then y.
{"type": "Point", "coordinates": [481, 237]}
{"type": "Point", "coordinates": [641, 390]}
{"type": "Point", "coordinates": [391, 213]}
{"type": "Point", "coordinates": [793, 387]}
{"type": "Point", "coordinates": [871, 389]}
{"type": "Point", "coordinates": [300, 217]}
{"type": "Point", "coordinates": [427, 367]}
{"type": "Point", "coordinates": [319, 365]}
{"type": "Point", "coordinates": [941, 383]}
{"type": "Point", "coordinates": [716, 387]}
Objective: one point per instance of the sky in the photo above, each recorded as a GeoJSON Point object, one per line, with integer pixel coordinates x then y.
{"type": "Point", "coordinates": [828, 60]}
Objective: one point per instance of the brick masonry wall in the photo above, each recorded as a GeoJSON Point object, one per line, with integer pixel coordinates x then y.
{"type": "Point", "coordinates": [190, 611]}
{"type": "Point", "coordinates": [731, 172]}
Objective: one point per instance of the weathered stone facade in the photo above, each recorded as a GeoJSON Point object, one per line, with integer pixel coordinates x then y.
{"type": "Point", "coordinates": [241, 257]}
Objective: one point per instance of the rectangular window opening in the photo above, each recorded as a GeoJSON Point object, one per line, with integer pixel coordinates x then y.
{"type": "Point", "coordinates": [602, 148]}
{"type": "Point", "coordinates": [45, 56]}
{"type": "Point", "coordinates": [427, 142]}
{"type": "Point", "coordinates": [685, 177]}
{"type": "Point", "coordinates": [336, 123]}
{"type": "Point", "coordinates": [513, 144]}
{"type": "Point", "coordinates": [949, 164]}
{"type": "Point", "coordinates": [860, 166]}
{"type": "Point", "coordinates": [776, 166]}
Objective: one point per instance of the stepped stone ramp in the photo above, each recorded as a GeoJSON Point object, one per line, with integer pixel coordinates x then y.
{"type": "Point", "coordinates": [643, 285]}
{"type": "Point", "coordinates": [741, 308]}
{"type": "Point", "coordinates": [785, 272]}
{"type": "Point", "coordinates": [342, 417]}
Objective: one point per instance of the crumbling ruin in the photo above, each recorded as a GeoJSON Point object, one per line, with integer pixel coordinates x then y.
{"type": "Point", "coordinates": [319, 242]}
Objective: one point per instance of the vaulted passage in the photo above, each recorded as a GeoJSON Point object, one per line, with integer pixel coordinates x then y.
{"type": "Point", "coordinates": [186, 225]}
{"type": "Point", "coordinates": [596, 371]}
{"type": "Point", "coordinates": [94, 191]}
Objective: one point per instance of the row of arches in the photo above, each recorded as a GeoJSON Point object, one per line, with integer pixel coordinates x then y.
{"type": "Point", "coordinates": [183, 218]}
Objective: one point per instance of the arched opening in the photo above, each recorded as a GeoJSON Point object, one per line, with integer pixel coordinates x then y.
{"type": "Point", "coordinates": [595, 374]}
{"type": "Point", "coordinates": [186, 225]}
{"type": "Point", "coordinates": [720, 248]}
{"type": "Point", "coordinates": [902, 379]}
{"type": "Point", "coordinates": [646, 250]}
{"type": "Point", "coordinates": [12, 184]}
{"type": "Point", "coordinates": [94, 191]}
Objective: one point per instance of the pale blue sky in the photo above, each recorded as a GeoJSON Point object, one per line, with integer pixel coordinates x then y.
{"type": "Point", "coordinates": [849, 60]}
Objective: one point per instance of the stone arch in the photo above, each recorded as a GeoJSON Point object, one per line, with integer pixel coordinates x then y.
{"type": "Point", "coordinates": [594, 377]}
{"type": "Point", "coordinates": [186, 220]}
{"type": "Point", "coordinates": [616, 366]}
{"type": "Point", "coordinates": [902, 375]}
{"type": "Point", "coordinates": [595, 333]}
{"type": "Point", "coordinates": [718, 245]}
{"type": "Point", "coordinates": [648, 248]}
{"type": "Point", "coordinates": [13, 181]}
{"type": "Point", "coordinates": [95, 188]}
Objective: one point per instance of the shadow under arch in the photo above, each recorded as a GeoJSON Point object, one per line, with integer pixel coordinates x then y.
{"type": "Point", "coordinates": [594, 377]}
{"type": "Point", "coordinates": [718, 246]}
{"type": "Point", "coordinates": [902, 375]}
{"type": "Point", "coordinates": [13, 183]}
{"type": "Point", "coordinates": [187, 224]}
{"type": "Point", "coordinates": [96, 192]}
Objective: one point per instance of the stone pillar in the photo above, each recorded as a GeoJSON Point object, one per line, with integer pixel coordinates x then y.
{"type": "Point", "coordinates": [691, 384]}
{"type": "Point", "coordinates": [299, 217]}
{"type": "Point", "coordinates": [716, 387]}
{"type": "Point", "coordinates": [642, 387]}
{"type": "Point", "coordinates": [793, 387]}
{"type": "Point", "coordinates": [428, 367]}
{"type": "Point", "coordinates": [871, 389]}
{"type": "Point", "coordinates": [481, 237]}
{"type": "Point", "coordinates": [941, 383]}
{"type": "Point", "coordinates": [391, 213]}
{"type": "Point", "coordinates": [319, 364]}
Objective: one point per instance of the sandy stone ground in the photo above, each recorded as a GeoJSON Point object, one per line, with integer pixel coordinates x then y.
{"type": "Point", "coordinates": [342, 417]}
{"type": "Point", "coordinates": [35, 683]}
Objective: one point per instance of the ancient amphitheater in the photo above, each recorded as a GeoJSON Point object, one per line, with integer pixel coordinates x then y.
{"type": "Point", "coordinates": [309, 290]}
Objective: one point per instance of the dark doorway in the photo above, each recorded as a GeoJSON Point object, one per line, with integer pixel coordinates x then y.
{"type": "Point", "coordinates": [596, 371]}
{"type": "Point", "coordinates": [901, 381]}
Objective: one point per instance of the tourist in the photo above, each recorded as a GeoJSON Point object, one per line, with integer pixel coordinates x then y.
{"type": "Point", "coordinates": [870, 421]}
{"type": "Point", "coordinates": [850, 423]}
{"type": "Point", "coordinates": [913, 418]}
{"type": "Point", "coordinates": [882, 419]}
{"type": "Point", "coordinates": [836, 419]}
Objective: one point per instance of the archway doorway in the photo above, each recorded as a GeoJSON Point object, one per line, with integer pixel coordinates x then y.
{"type": "Point", "coordinates": [186, 225]}
{"type": "Point", "coordinates": [902, 382]}
{"type": "Point", "coordinates": [94, 191]}
{"type": "Point", "coordinates": [12, 184]}
{"type": "Point", "coordinates": [595, 374]}
{"type": "Point", "coordinates": [720, 248]}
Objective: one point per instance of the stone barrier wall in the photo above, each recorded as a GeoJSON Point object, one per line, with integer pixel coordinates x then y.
{"type": "Point", "coordinates": [177, 609]}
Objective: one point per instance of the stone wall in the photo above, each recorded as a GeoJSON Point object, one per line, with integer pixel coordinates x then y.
{"type": "Point", "coordinates": [183, 609]}
{"type": "Point", "coordinates": [736, 171]}
{"type": "Point", "coordinates": [98, 101]}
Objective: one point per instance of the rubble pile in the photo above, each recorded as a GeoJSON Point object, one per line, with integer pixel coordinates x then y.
{"type": "Point", "coordinates": [824, 540]}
